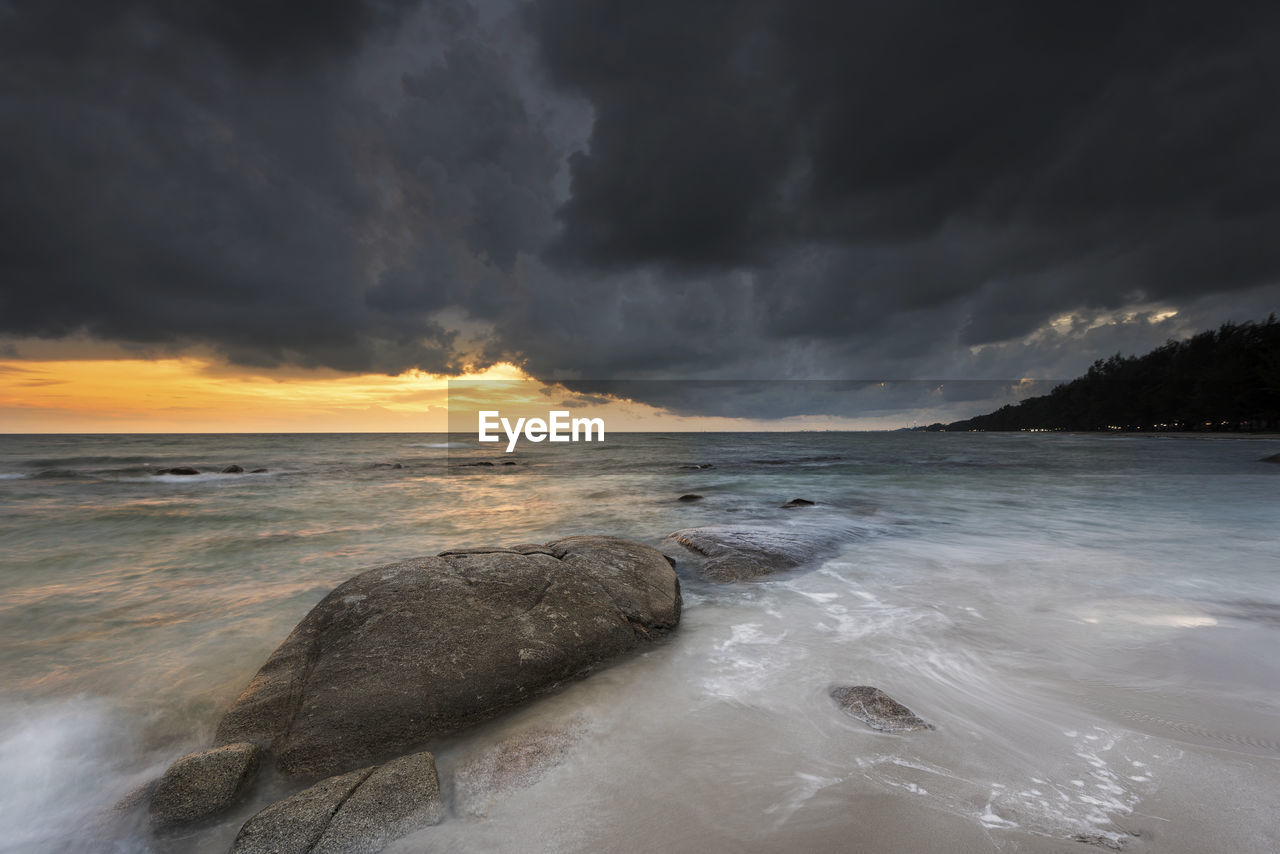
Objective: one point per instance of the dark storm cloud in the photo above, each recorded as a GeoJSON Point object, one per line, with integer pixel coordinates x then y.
{"type": "Point", "coordinates": [212, 173]}
{"type": "Point", "coordinates": [755, 189]}
{"type": "Point", "coordinates": [1031, 158]}
{"type": "Point", "coordinates": [728, 130]}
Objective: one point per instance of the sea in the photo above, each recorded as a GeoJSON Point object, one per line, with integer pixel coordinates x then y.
{"type": "Point", "coordinates": [1091, 622]}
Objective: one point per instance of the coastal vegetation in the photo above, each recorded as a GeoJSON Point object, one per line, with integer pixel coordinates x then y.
{"type": "Point", "coordinates": [1222, 380]}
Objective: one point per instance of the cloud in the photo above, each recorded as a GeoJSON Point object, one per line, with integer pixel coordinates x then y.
{"type": "Point", "coordinates": [597, 190]}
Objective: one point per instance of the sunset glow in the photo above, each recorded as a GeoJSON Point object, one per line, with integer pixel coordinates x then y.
{"type": "Point", "coordinates": [199, 395]}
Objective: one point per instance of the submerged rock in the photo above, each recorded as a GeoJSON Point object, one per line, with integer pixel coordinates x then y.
{"type": "Point", "coordinates": [798, 502]}
{"type": "Point", "coordinates": [697, 466]}
{"type": "Point", "coordinates": [1274, 458]}
{"type": "Point", "coordinates": [183, 470]}
{"type": "Point", "coordinates": [360, 811]}
{"type": "Point", "coordinates": [749, 554]}
{"type": "Point", "coordinates": [877, 709]}
{"type": "Point", "coordinates": [201, 785]}
{"type": "Point", "coordinates": [258, 471]}
{"type": "Point", "coordinates": [233, 469]}
{"type": "Point", "coordinates": [412, 650]}
{"type": "Point", "coordinates": [690, 496]}
{"type": "Point", "coordinates": [516, 762]}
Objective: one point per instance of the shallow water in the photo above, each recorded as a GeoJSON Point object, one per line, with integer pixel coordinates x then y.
{"type": "Point", "coordinates": [1090, 622]}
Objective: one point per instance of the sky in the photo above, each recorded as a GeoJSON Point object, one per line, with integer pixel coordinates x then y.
{"type": "Point", "coordinates": [286, 215]}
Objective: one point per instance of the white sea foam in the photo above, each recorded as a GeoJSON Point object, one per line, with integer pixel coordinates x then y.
{"type": "Point", "coordinates": [60, 765]}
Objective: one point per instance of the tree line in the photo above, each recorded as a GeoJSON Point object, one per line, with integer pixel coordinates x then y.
{"type": "Point", "coordinates": [1226, 379]}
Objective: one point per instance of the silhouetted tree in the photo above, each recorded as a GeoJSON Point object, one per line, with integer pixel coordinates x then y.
{"type": "Point", "coordinates": [1223, 380]}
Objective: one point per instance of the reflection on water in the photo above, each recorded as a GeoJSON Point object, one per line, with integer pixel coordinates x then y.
{"type": "Point", "coordinates": [1090, 622]}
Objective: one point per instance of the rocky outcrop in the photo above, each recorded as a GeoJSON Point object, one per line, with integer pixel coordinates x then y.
{"type": "Point", "coordinates": [408, 651]}
{"type": "Point", "coordinates": [877, 709]}
{"type": "Point", "coordinates": [360, 811]}
{"type": "Point", "coordinates": [747, 554]}
{"type": "Point", "coordinates": [201, 785]}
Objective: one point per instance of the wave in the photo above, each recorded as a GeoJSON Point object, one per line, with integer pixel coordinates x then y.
{"type": "Point", "coordinates": [68, 462]}
{"type": "Point", "coordinates": [203, 477]}
{"type": "Point", "coordinates": [796, 461]}
{"type": "Point", "coordinates": [60, 763]}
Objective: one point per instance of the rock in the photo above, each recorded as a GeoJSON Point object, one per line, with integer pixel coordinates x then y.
{"type": "Point", "coordinates": [201, 785]}
{"type": "Point", "coordinates": [1112, 841]}
{"type": "Point", "coordinates": [698, 466]}
{"type": "Point", "coordinates": [398, 466]}
{"type": "Point", "coordinates": [690, 496]}
{"type": "Point", "coordinates": [296, 823]}
{"type": "Point", "coordinates": [749, 554]}
{"type": "Point", "coordinates": [408, 651]}
{"type": "Point", "coordinates": [1274, 458]}
{"type": "Point", "coordinates": [516, 762]}
{"type": "Point", "coordinates": [360, 811]}
{"type": "Point", "coordinates": [183, 470]}
{"type": "Point", "coordinates": [233, 469]}
{"type": "Point", "coordinates": [877, 709]}
{"type": "Point", "coordinates": [137, 797]}
{"type": "Point", "coordinates": [798, 502]}
{"type": "Point", "coordinates": [481, 463]}
{"type": "Point", "coordinates": [509, 463]}
{"type": "Point", "coordinates": [258, 471]}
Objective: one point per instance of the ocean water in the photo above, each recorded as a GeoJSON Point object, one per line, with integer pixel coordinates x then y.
{"type": "Point", "coordinates": [1091, 622]}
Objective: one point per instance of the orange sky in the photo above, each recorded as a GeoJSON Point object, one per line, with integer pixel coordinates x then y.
{"type": "Point", "coordinates": [192, 394]}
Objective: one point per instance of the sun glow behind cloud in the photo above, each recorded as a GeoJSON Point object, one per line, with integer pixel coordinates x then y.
{"type": "Point", "coordinates": [201, 394]}
{"type": "Point", "coordinates": [194, 394]}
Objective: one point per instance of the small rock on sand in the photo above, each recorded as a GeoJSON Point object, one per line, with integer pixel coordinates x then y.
{"type": "Point", "coordinates": [877, 709]}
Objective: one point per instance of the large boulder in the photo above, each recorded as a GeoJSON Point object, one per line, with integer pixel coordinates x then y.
{"type": "Point", "coordinates": [360, 811]}
{"type": "Point", "coordinates": [201, 785]}
{"type": "Point", "coordinates": [724, 554]}
{"type": "Point", "coordinates": [413, 650]}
